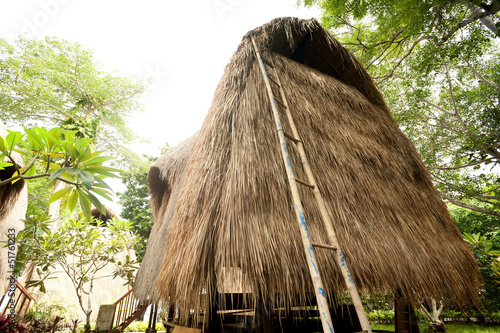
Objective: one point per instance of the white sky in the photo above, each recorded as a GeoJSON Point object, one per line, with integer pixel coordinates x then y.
{"type": "Point", "coordinates": [183, 45]}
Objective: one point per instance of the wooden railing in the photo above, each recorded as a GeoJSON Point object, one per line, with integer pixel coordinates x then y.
{"type": "Point", "coordinates": [18, 299]}
{"type": "Point", "coordinates": [127, 309]}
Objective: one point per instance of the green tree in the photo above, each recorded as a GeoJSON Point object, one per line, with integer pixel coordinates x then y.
{"type": "Point", "coordinates": [438, 64]}
{"type": "Point", "coordinates": [53, 82]}
{"type": "Point", "coordinates": [136, 206]}
{"type": "Point", "coordinates": [80, 248]}
{"type": "Point", "coordinates": [487, 258]}
{"type": "Point", "coordinates": [483, 236]}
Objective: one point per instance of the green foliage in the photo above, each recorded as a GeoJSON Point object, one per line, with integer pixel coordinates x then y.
{"type": "Point", "coordinates": [381, 316]}
{"type": "Point", "coordinates": [141, 326]}
{"type": "Point", "coordinates": [61, 156]}
{"type": "Point", "coordinates": [44, 311]}
{"type": "Point", "coordinates": [135, 202]}
{"type": "Point", "coordinates": [374, 302]}
{"type": "Point", "coordinates": [487, 258]}
{"type": "Point", "coordinates": [452, 328]}
{"type": "Point", "coordinates": [53, 82]}
{"type": "Point", "coordinates": [438, 64]}
{"type": "Point", "coordinates": [9, 325]}
{"type": "Point", "coordinates": [483, 235]}
{"type": "Point", "coordinates": [80, 248]}
{"type": "Point", "coordinates": [136, 207]}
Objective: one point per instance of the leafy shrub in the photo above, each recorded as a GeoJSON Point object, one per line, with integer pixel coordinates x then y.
{"type": "Point", "coordinates": [8, 325]}
{"type": "Point", "coordinates": [140, 326]}
{"type": "Point", "coordinates": [381, 316]}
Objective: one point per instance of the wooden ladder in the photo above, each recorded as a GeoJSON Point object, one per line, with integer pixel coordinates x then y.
{"type": "Point", "coordinates": [299, 210]}
{"type": "Point", "coordinates": [126, 309]}
{"type": "Point", "coordinates": [14, 299]}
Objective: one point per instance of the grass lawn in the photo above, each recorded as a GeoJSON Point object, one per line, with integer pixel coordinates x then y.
{"type": "Point", "coordinates": [452, 328]}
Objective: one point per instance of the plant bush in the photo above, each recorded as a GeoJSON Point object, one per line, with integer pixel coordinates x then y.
{"type": "Point", "coordinates": [141, 326]}
{"type": "Point", "coordinates": [7, 325]}
{"type": "Point", "coordinates": [381, 316]}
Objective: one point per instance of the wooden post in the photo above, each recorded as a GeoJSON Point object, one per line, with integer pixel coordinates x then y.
{"type": "Point", "coordinates": [152, 318]}
{"type": "Point", "coordinates": [214, 324]}
{"type": "Point", "coordinates": [265, 318]}
{"type": "Point", "coordinates": [405, 317]}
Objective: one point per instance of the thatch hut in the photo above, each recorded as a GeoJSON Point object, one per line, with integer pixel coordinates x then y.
{"type": "Point", "coordinates": [13, 205]}
{"type": "Point", "coordinates": [221, 200]}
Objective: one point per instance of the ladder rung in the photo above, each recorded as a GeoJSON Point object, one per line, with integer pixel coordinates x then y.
{"type": "Point", "coordinates": [276, 83]}
{"type": "Point", "coordinates": [324, 246]}
{"type": "Point", "coordinates": [300, 181]}
{"type": "Point", "coordinates": [267, 63]}
{"type": "Point", "coordinates": [291, 137]}
{"type": "Point", "coordinates": [280, 102]}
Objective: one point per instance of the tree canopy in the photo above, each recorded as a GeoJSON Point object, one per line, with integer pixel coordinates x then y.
{"type": "Point", "coordinates": [438, 64]}
{"type": "Point", "coordinates": [53, 82]}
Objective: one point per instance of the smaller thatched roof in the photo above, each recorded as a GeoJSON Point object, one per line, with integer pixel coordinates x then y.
{"type": "Point", "coordinates": [98, 215]}
{"type": "Point", "coordinates": [164, 179]}
{"type": "Point", "coordinates": [13, 205]}
{"type": "Point", "coordinates": [10, 192]}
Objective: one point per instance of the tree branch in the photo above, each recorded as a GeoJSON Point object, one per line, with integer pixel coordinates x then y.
{"type": "Point", "coordinates": [6, 181]}
{"type": "Point", "coordinates": [385, 77]}
{"type": "Point", "coordinates": [389, 44]}
{"type": "Point", "coordinates": [438, 107]}
{"type": "Point", "coordinates": [468, 206]}
{"type": "Point", "coordinates": [462, 24]}
{"type": "Point", "coordinates": [462, 166]}
{"type": "Point", "coordinates": [486, 21]}
{"type": "Point", "coordinates": [480, 197]}
{"type": "Point", "coordinates": [480, 77]}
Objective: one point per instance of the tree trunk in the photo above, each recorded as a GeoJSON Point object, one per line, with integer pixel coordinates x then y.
{"type": "Point", "coordinates": [436, 324]}
{"type": "Point", "coordinates": [486, 21]}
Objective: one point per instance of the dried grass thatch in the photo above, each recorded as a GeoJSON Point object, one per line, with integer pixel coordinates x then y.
{"type": "Point", "coordinates": [104, 218]}
{"type": "Point", "coordinates": [164, 179]}
{"type": "Point", "coordinates": [13, 205]}
{"type": "Point", "coordinates": [222, 200]}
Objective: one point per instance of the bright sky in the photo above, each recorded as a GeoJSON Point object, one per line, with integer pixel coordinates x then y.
{"type": "Point", "coordinates": [183, 45]}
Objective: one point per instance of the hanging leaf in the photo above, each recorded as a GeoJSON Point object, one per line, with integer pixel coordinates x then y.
{"type": "Point", "coordinates": [4, 165]}
{"type": "Point", "coordinates": [84, 203]}
{"type": "Point", "coordinates": [57, 173]}
{"type": "Point", "coordinates": [72, 200]}
{"type": "Point", "coordinates": [86, 178]}
{"type": "Point", "coordinates": [3, 145]}
{"type": "Point", "coordinates": [97, 203]}
{"type": "Point", "coordinates": [12, 139]}
{"type": "Point", "coordinates": [34, 140]}
{"type": "Point", "coordinates": [98, 160]}
{"type": "Point", "coordinates": [59, 194]}
{"type": "Point", "coordinates": [105, 194]}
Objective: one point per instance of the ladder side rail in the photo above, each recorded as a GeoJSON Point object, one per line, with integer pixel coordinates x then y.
{"type": "Point", "coordinates": [299, 211]}
{"type": "Point", "coordinates": [353, 291]}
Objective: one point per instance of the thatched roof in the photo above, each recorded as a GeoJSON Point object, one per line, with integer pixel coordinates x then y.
{"type": "Point", "coordinates": [222, 199]}
{"type": "Point", "coordinates": [164, 179]}
{"type": "Point", "coordinates": [13, 205]}
{"type": "Point", "coordinates": [10, 192]}
{"type": "Point", "coordinates": [104, 218]}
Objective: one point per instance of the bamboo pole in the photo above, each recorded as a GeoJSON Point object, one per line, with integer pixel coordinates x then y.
{"type": "Point", "coordinates": [319, 289]}
{"type": "Point", "coordinates": [353, 291]}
